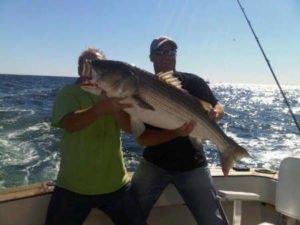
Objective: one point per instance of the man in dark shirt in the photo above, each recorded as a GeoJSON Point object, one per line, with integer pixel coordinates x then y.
{"type": "Point", "coordinates": [170, 156]}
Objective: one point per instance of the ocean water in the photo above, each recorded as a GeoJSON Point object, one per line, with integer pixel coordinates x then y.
{"type": "Point", "coordinates": [256, 117]}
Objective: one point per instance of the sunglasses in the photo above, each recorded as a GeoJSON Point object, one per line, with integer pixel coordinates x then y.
{"type": "Point", "coordinates": [164, 52]}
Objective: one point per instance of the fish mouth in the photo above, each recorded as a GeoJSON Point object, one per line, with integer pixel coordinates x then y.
{"type": "Point", "coordinates": [89, 83]}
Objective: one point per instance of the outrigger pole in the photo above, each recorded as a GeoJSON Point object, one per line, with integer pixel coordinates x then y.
{"type": "Point", "coordinates": [269, 65]}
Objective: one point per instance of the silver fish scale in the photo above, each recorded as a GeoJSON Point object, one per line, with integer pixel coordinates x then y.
{"type": "Point", "coordinates": [152, 96]}
{"type": "Point", "coordinates": [167, 91]}
{"type": "Point", "coordinates": [150, 84]}
{"type": "Point", "coordinates": [156, 92]}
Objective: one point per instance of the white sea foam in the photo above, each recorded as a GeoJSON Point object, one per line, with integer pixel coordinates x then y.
{"type": "Point", "coordinates": [4, 143]}
{"type": "Point", "coordinates": [39, 126]}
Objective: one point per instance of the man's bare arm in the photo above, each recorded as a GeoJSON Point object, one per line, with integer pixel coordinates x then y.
{"type": "Point", "coordinates": [81, 119]}
{"type": "Point", "coordinates": [156, 137]}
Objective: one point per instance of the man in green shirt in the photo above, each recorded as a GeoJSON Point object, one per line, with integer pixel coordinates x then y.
{"type": "Point", "coordinates": [92, 173]}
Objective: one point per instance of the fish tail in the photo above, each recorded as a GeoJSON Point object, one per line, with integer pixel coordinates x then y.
{"type": "Point", "coordinates": [230, 155]}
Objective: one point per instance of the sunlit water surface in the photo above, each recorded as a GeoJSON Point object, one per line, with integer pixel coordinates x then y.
{"type": "Point", "coordinates": [256, 117]}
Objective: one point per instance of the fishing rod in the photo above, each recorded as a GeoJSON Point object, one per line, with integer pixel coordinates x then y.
{"type": "Point", "coordinates": [269, 65]}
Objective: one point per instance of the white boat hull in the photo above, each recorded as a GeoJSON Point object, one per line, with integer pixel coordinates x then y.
{"type": "Point", "coordinates": [28, 205]}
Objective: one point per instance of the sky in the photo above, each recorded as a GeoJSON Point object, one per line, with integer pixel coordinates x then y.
{"type": "Point", "coordinates": [45, 37]}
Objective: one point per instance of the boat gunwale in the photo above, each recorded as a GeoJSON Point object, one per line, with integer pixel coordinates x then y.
{"type": "Point", "coordinates": [41, 189]}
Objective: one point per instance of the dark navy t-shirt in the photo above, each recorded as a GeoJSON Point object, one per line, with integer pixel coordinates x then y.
{"type": "Point", "coordinates": [180, 154]}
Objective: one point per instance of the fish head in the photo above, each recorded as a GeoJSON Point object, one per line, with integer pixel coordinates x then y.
{"type": "Point", "coordinates": [115, 78]}
{"type": "Point", "coordinates": [89, 79]}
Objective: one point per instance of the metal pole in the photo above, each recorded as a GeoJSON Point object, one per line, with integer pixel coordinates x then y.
{"type": "Point", "coordinates": [269, 65]}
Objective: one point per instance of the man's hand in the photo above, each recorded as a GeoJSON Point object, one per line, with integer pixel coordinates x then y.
{"type": "Point", "coordinates": [212, 114]}
{"type": "Point", "coordinates": [107, 105]}
{"type": "Point", "coordinates": [217, 112]}
{"type": "Point", "coordinates": [81, 119]}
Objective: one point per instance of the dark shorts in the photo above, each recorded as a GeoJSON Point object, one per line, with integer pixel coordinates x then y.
{"type": "Point", "coordinates": [69, 208]}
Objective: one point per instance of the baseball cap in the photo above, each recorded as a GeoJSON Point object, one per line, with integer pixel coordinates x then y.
{"type": "Point", "coordinates": [157, 42]}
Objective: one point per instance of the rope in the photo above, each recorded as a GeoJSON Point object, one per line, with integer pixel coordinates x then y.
{"type": "Point", "coordinates": [269, 65]}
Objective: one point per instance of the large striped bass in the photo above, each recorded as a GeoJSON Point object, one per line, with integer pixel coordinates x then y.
{"type": "Point", "coordinates": [159, 104]}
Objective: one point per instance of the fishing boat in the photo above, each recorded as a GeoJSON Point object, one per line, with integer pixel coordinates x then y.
{"type": "Point", "coordinates": [247, 196]}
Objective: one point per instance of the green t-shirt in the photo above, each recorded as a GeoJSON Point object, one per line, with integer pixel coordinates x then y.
{"type": "Point", "coordinates": [91, 159]}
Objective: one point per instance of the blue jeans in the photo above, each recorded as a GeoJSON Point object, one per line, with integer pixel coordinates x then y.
{"type": "Point", "coordinates": [69, 208]}
{"type": "Point", "coordinates": [195, 186]}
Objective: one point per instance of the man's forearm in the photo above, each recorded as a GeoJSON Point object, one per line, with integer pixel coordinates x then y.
{"type": "Point", "coordinates": [81, 119]}
{"type": "Point", "coordinates": [78, 120]}
{"type": "Point", "coordinates": [156, 137]}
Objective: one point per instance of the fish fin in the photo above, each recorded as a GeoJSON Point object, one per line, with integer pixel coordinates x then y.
{"type": "Point", "coordinates": [229, 156]}
{"type": "Point", "coordinates": [169, 78]}
{"type": "Point", "coordinates": [137, 127]}
{"type": "Point", "coordinates": [141, 102]}
{"type": "Point", "coordinates": [227, 161]}
{"type": "Point", "coordinates": [206, 105]}
{"type": "Point", "coordinates": [165, 74]}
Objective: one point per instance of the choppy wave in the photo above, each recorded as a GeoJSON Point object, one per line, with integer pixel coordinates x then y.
{"type": "Point", "coordinates": [256, 117]}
